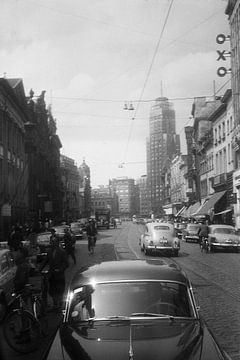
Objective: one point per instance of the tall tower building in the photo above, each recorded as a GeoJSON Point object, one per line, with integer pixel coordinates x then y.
{"type": "Point", "coordinates": [162, 144]}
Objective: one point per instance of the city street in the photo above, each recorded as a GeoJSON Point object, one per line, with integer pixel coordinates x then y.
{"type": "Point", "coordinates": [214, 278]}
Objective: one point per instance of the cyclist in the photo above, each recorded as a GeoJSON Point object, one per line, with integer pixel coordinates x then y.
{"type": "Point", "coordinates": [91, 230]}
{"type": "Point", "coordinates": [203, 233]}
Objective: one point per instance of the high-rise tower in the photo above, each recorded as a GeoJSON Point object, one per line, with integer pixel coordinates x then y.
{"type": "Point", "coordinates": [162, 144]}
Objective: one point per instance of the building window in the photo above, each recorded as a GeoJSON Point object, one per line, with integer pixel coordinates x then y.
{"type": "Point", "coordinates": [1, 150]}
{"type": "Point", "coordinates": [9, 155]}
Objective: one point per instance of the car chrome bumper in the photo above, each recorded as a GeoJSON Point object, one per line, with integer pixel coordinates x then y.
{"type": "Point", "coordinates": [162, 248]}
{"type": "Point", "coordinates": [225, 245]}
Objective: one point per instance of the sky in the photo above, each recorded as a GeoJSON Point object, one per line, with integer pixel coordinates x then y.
{"type": "Point", "coordinates": [93, 56]}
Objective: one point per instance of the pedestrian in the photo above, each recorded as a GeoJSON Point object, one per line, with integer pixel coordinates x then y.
{"type": "Point", "coordinates": [91, 230]}
{"type": "Point", "coordinates": [114, 224]}
{"type": "Point", "coordinates": [23, 269]}
{"type": "Point", "coordinates": [16, 239]}
{"type": "Point", "coordinates": [69, 244]}
{"type": "Point", "coordinates": [53, 236]}
{"type": "Point", "coordinates": [57, 261]}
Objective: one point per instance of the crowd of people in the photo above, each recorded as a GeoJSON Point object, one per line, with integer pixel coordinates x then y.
{"type": "Point", "coordinates": [56, 260]}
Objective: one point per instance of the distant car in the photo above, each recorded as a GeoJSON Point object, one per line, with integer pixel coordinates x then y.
{"type": "Point", "coordinates": [191, 233]}
{"type": "Point", "coordinates": [76, 229]}
{"type": "Point", "coordinates": [223, 237]}
{"type": "Point", "coordinates": [7, 274]}
{"type": "Point", "coordinates": [59, 229]}
{"type": "Point", "coordinates": [180, 227]}
{"type": "Point", "coordinates": [118, 221]}
{"type": "Point", "coordinates": [161, 238]}
{"type": "Point", "coordinates": [133, 309]}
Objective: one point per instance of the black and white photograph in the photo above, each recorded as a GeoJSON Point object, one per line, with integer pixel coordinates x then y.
{"type": "Point", "coordinates": [119, 179]}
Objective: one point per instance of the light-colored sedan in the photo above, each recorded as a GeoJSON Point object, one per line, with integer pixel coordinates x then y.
{"type": "Point", "coordinates": [223, 237]}
{"type": "Point", "coordinates": [160, 238]}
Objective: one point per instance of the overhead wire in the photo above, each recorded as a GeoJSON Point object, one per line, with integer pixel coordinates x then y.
{"type": "Point", "coordinates": [147, 76]}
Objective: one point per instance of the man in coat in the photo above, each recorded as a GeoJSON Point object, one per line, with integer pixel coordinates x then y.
{"type": "Point", "coordinates": [58, 263]}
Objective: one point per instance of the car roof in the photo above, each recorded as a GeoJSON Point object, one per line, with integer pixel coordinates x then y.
{"type": "Point", "coordinates": [130, 270]}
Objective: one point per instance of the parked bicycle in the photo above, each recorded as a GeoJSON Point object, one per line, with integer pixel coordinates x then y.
{"type": "Point", "coordinates": [27, 321]}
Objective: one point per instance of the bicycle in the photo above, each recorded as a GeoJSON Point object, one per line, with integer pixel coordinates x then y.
{"type": "Point", "coordinates": [204, 245]}
{"type": "Point", "coordinates": [22, 327]}
{"type": "Point", "coordinates": [91, 244]}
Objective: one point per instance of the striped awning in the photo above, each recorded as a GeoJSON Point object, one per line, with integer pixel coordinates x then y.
{"type": "Point", "coordinates": [181, 211]}
{"type": "Point", "coordinates": [206, 208]}
{"type": "Point", "coordinates": [191, 209]}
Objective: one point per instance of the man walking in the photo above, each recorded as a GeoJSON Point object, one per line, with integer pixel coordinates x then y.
{"type": "Point", "coordinates": [69, 244]}
{"type": "Point", "coordinates": [58, 263]}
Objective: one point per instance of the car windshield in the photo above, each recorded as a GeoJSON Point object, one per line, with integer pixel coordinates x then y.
{"type": "Point", "coordinates": [124, 299]}
{"type": "Point", "coordinates": [224, 231]}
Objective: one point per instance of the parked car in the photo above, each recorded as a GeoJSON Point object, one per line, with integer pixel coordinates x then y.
{"type": "Point", "coordinates": [76, 230]}
{"type": "Point", "coordinates": [133, 309]}
{"type": "Point", "coordinates": [191, 232]}
{"type": "Point", "coordinates": [223, 237]}
{"type": "Point", "coordinates": [161, 238]}
{"type": "Point", "coordinates": [179, 227]}
{"type": "Point", "coordinates": [7, 274]}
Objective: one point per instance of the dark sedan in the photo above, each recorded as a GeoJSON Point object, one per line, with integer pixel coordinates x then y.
{"type": "Point", "coordinates": [136, 309]}
{"type": "Point", "coordinates": [191, 232]}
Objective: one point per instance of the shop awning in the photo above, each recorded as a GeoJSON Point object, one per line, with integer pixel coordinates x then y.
{"type": "Point", "coordinates": [206, 208]}
{"type": "Point", "coordinates": [181, 211]}
{"type": "Point", "coordinates": [194, 208]}
{"type": "Point", "coordinates": [191, 209]}
{"type": "Point", "coordinates": [224, 212]}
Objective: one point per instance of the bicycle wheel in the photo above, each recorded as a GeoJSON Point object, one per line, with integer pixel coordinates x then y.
{"type": "Point", "coordinates": [21, 331]}
{"type": "Point", "coordinates": [41, 315]}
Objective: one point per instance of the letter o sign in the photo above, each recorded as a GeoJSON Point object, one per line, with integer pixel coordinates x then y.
{"type": "Point", "coordinates": [221, 38]}
{"type": "Point", "coordinates": [222, 71]}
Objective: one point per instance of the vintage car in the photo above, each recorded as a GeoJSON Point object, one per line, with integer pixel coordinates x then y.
{"type": "Point", "coordinates": [161, 238]}
{"type": "Point", "coordinates": [76, 230]}
{"type": "Point", "coordinates": [191, 233]}
{"type": "Point", "coordinates": [7, 274]}
{"type": "Point", "coordinates": [180, 227]}
{"type": "Point", "coordinates": [133, 309]}
{"type": "Point", "coordinates": [223, 237]}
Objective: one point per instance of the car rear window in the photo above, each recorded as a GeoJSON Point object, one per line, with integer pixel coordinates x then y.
{"type": "Point", "coordinates": [162, 227]}
{"type": "Point", "coordinates": [193, 227]}
{"type": "Point", "coordinates": [224, 231]}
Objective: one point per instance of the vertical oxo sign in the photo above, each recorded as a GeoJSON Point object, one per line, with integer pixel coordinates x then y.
{"type": "Point", "coordinates": [222, 54]}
